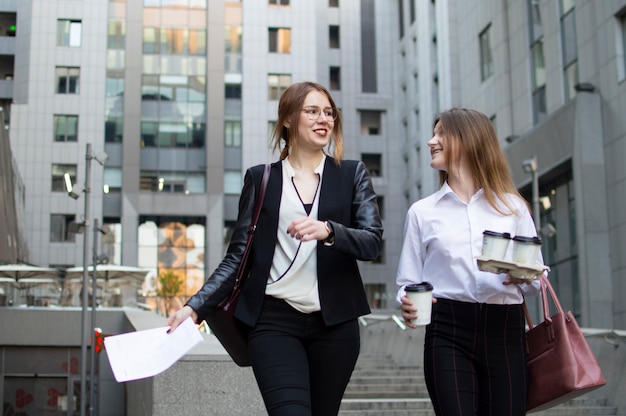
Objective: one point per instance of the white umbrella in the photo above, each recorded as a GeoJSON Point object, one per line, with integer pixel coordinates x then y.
{"type": "Point", "coordinates": [108, 272]}
{"type": "Point", "coordinates": [22, 276]}
{"type": "Point", "coordinates": [24, 271]}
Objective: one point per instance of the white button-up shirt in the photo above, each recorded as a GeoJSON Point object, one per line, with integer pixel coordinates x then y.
{"type": "Point", "coordinates": [442, 238]}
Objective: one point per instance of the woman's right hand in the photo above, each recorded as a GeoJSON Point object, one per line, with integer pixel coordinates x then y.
{"type": "Point", "coordinates": [180, 316]}
{"type": "Point", "coordinates": [409, 312]}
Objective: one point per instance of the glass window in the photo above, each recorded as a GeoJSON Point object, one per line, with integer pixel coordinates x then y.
{"type": "Point", "coordinates": [568, 32]}
{"type": "Point", "coordinates": [376, 295]}
{"type": "Point", "coordinates": [401, 17]}
{"type": "Point", "coordinates": [277, 83]}
{"type": "Point", "coordinates": [333, 3]}
{"type": "Point", "coordinates": [150, 36]}
{"type": "Point", "coordinates": [370, 122]}
{"type": "Point", "coordinates": [60, 228]}
{"type": "Point", "coordinates": [112, 239]}
{"type": "Point", "coordinates": [197, 42]}
{"type": "Point", "coordinates": [175, 4]}
{"type": "Point", "coordinates": [232, 91]}
{"type": "Point", "coordinates": [67, 80]}
{"type": "Point", "coordinates": [232, 39]}
{"type": "Point", "coordinates": [486, 59]}
{"type": "Point", "coordinates": [570, 48]}
{"type": "Point", "coordinates": [279, 40]}
{"type": "Point", "coordinates": [571, 79]}
{"type": "Point", "coordinates": [539, 65]}
{"type": "Point", "coordinates": [621, 47]}
{"type": "Point", "coordinates": [58, 176]}
{"type": "Point", "coordinates": [566, 6]}
{"type": "Point", "coordinates": [333, 37]}
{"type": "Point", "coordinates": [232, 182]}
{"type": "Point", "coordinates": [373, 162]}
{"type": "Point", "coordinates": [278, 2]}
{"type": "Point", "coordinates": [69, 32]}
{"type": "Point", "coordinates": [116, 34]}
{"type": "Point", "coordinates": [232, 133]}
{"type": "Point", "coordinates": [536, 27]}
{"type": "Point", "coordinates": [113, 129]}
{"type": "Point", "coordinates": [540, 109]}
{"type": "Point", "coordinates": [335, 78]}
{"type": "Point", "coordinates": [65, 128]}
{"type": "Point", "coordinates": [174, 41]}
{"type": "Point", "coordinates": [112, 180]}
{"type": "Point", "coordinates": [197, 4]}
{"type": "Point", "coordinates": [623, 27]}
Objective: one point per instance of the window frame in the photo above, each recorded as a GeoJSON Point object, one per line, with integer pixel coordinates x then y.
{"type": "Point", "coordinates": [486, 53]}
{"type": "Point", "coordinates": [67, 80]}
{"type": "Point", "coordinates": [69, 33]}
{"type": "Point", "coordinates": [279, 40]}
{"type": "Point", "coordinates": [58, 170]}
{"type": "Point", "coordinates": [68, 121]}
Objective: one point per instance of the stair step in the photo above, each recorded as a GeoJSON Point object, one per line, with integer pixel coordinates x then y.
{"type": "Point", "coordinates": [386, 404]}
{"type": "Point", "coordinates": [380, 387]}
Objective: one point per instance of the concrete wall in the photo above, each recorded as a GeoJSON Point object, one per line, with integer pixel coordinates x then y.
{"type": "Point", "coordinates": [406, 347]}
{"type": "Point", "coordinates": [204, 382]}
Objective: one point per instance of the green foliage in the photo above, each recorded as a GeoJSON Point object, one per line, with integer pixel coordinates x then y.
{"type": "Point", "coordinates": [169, 284]}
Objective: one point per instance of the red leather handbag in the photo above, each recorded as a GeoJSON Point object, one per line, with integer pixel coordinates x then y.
{"type": "Point", "coordinates": [560, 363]}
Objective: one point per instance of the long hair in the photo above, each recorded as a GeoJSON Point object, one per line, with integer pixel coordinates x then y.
{"type": "Point", "coordinates": [289, 111]}
{"type": "Point", "coordinates": [469, 134]}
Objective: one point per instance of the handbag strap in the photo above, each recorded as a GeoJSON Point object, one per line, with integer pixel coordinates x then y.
{"type": "Point", "coordinates": [255, 218]}
{"type": "Point", "coordinates": [546, 287]}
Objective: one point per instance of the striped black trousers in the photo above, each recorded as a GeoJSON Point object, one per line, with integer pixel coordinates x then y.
{"type": "Point", "coordinates": [474, 359]}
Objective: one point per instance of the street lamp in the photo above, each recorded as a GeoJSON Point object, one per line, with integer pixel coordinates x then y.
{"type": "Point", "coordinates": [530, 166]}
{"type": "Point", "coordinates": [101, 158]}
{"type": "Point", "coordinates": [94, 291]}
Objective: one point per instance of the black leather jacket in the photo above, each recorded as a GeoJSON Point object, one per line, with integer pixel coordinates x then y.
{"type": "Point", "coordinates": [347, 202]}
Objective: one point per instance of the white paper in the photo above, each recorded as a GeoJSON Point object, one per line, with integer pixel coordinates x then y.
{"type": "Point", "coordinates": [142, 354]}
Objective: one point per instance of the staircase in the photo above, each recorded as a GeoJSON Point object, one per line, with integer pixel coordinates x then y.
{"type": "Point", "coordinates": [380, 387]}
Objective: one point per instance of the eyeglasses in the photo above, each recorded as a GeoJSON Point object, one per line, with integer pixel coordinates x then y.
{"type": "Point", "coordinates": [313, 113]}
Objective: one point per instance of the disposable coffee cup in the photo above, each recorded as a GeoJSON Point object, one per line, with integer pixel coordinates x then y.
{"type": "Point", "coordinates": [495, 244]}
{"type": "Point", "coordinates": [526, 249]}
{"type": "Point", "coordinates": [421, 294]}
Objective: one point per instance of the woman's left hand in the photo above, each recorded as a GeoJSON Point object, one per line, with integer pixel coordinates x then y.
{"type": "Point", "coordinates": [307, 229]}
{"type": "Point", "coordinates": [510, 280]}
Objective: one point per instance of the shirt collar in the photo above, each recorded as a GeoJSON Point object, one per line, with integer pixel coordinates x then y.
{"type": "Point", "coordinates": [291, 172]}
{"type": "Point", "coordinates": [446, 190]}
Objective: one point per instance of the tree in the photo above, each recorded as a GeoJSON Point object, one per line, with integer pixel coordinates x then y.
{"type": "Point", "coordinates": [169, 286]}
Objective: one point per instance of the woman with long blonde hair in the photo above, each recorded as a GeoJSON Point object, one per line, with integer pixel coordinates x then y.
{"type": "Point", "coordinates": [474, 360]}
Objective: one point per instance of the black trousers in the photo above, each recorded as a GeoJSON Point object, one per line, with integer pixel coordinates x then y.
{"type": "Point", "coordinates": [474, 359]}
{"type": "Point", "coordinates": [302, 366]}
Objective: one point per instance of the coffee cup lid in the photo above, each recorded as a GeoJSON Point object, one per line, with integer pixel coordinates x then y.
{"type": "Point", "coordinates": [530, 240]}
{"type": "Point", "coordinates": [419, 287]}
{"type": "Point", "coordinates": [496, 234]}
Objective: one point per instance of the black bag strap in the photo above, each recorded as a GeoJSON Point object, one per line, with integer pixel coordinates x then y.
{"type": "Point", "coordinates": [255, 218]}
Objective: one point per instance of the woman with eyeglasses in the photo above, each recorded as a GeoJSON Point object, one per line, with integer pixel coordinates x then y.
{"type": "Point", "coordinates": [304, 292]}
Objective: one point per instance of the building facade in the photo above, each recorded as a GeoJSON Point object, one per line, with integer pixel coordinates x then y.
{"type": "Point", "coordinates": [156, 108]}
{"type": "Point", "coordinates": [181, 96]}
{"type": "Point", "coordinates": [551, 76]}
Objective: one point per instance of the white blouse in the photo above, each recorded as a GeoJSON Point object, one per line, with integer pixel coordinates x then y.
{"type": "Point", "coordinates": [298, 286]}
{"type": "Point", "coordinates": [442, 238]}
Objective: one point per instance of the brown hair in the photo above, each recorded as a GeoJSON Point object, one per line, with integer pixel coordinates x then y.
{"type": "Point", "coordinates": [470, 134]}
{"type": "Point", "coordinates": [289, 110]}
